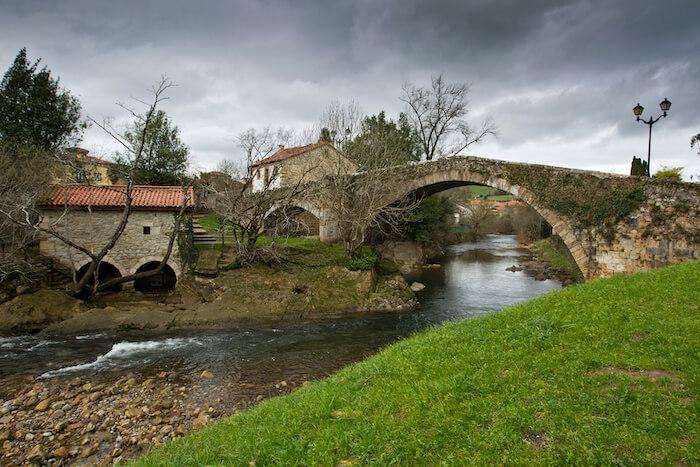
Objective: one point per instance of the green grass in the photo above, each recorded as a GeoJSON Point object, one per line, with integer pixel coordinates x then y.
{"type": "Point", "coordinates": [501, 198]}
{"type": "Point", "coordinates": [313, 252]}
{"type": "Point", "coordinates": [210, 223]}
{"type": "Point", "coordinates": [558, 260]}
{"type": "Point", "coordinates": [488, 193]}
{"type": "Point", "coordinates": [569, 365]}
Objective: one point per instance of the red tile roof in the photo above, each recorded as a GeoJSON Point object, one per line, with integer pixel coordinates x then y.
{"type": "Point", "coordinates": [286, 153]}
{"type": "Point", "coordinates": [113, 196]}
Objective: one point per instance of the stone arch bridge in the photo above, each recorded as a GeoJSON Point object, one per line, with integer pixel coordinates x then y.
{"type": "Point", "coordinates": [610, 223]}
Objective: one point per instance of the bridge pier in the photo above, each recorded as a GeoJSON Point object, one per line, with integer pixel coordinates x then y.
{"type": "Point", "coordinates": [329, 230]}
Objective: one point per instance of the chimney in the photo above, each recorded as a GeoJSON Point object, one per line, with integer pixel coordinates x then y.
{"type": "Point", "coordinates": [280, 147]}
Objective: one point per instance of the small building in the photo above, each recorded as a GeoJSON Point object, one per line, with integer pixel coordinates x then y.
{"type": "Point", "coordinates": [85, 169]}
{"type": "Point", "coordinates": [89, 215]}
{"type": "Point", "coordinates": [288, 166]}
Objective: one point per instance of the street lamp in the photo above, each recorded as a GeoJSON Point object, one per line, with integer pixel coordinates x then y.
{"type": "Point", "coordinates": [665, 105]}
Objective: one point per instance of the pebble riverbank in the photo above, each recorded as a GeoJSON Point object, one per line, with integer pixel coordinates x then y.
{"type": "Point", "coordinates": [82, 421]}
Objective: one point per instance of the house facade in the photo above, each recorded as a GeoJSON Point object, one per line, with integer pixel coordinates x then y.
{"type": "Point", "coordinates": [85, 169]}
{"type": "Point", "coordinates": [89, 215]}
{"type": "Point", "coordinates": [288, 166]}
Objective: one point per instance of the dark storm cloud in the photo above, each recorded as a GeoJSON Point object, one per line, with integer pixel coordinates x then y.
{"type": "Point", "coordinates": [554, 75]}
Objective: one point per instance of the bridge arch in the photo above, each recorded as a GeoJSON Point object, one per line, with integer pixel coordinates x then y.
{"type": "Point", "coordinates": [300, 218]}
{"type": "Point", "coordinates": [439, 181]}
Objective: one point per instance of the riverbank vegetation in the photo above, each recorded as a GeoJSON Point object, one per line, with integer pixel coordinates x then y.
{"type": "Point", "coordinates": [602, 373]}
{"type": "Point", "coordinates": [559, 263]}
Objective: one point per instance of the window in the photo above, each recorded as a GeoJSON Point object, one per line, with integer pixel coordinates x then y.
{"type": "Point", "coordinates": [147, 230]}
{"type": "Point", "coordinates": [98, 177]}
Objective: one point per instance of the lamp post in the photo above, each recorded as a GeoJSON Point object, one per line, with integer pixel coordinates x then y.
{"type": "Point", "coordinates": [665, 105]}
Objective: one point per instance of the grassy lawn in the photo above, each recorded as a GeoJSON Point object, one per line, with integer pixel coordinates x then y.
{"type": "Point", "coordinates": [210, 223]}
{"type": "Point", "coordinates": [607, 372]}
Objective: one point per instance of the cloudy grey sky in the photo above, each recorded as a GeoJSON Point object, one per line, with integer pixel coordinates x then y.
{"type": "Point", "coordinates": [558, 77]}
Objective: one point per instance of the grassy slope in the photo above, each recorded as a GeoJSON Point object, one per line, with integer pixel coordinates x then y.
{"type": "Point", "coordinates": [467, 392]}
{"type": "Point", "coordinates": [557, 260]}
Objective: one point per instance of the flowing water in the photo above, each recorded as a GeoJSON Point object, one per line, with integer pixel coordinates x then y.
{"type": "Point", "coordinates": [471, 281]}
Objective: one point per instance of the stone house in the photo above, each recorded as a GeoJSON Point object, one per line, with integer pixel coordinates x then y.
{"type": "Point", "coordinates": [288, 166]}
{"type": "Point", "coordinates": [84, 169]}
{"type": "Point", "coordinates": [88, 216]}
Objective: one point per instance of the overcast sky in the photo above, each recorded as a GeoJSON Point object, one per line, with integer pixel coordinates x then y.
{"type": "Point", "coordinates": [558, 77]}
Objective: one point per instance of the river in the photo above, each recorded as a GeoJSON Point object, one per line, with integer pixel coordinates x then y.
{"type": "Point", "coordinates": [471, 281]}
{"type": "Point", "coordinates": [104, 398]}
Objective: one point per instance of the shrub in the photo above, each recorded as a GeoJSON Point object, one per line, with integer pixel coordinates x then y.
{"type": "Point", "coordinates": [364, 259]}
{"type": "Point", "coordinates": [674, 174]}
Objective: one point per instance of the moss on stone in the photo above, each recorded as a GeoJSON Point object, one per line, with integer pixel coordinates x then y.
{"type": "Point", "coordinates": [586, 199]}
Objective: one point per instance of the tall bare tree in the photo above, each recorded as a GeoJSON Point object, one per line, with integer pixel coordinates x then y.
{"type": "Point", "coordinates": [438, 115]}
{"type": "Point", "coordinates": [23, 211]}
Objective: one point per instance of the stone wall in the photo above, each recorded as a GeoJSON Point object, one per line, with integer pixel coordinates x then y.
{"type": "Point", "coordinates": [314, 165]}
{"type": "Point", "coordinates": [664, 230]}
{"type": "Point", "coordinates": [93, 230]}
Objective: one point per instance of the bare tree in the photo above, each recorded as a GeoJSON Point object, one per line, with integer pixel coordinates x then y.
{"type": "Point", "coordinates": [258, 144]}
{"type": "Point", "coordinates": [241, 204]}
{"type": "Point", "coordinates": [25, 174]}
{"type": "Point", "coordinates": [23, 211]}
{"type": "Point", "coordinates": [343, 120]}
{"type": "Point", "coordinates": [438, 117]}
{"type": "Point", "coordinates": [480, 218]}
{"type": "Point", "coordinates": [367, 201]}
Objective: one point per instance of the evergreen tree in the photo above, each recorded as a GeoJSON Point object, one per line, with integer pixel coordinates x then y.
{"type": "Point", "coordinates": [383, 142]}
{"type": "Point", "coordinates": [165, 156]}
{"type": "Point", "coordinates": [34, 110]}
{"type": "Point", "coordinates": [639, 167]}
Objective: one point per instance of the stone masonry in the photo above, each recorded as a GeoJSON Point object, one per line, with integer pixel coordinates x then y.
{"type": "Point", "coordinates": [93, 229]}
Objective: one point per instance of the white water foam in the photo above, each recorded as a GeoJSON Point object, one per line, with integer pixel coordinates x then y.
{"type": "Point", "coordinates": [90, 336]}
{"type": "Point", "coordinates": [125, 351]}
{"type": "Point", "coordinates": [14, 341]}
{"type": "Point", "coordinates": [41, 344]}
